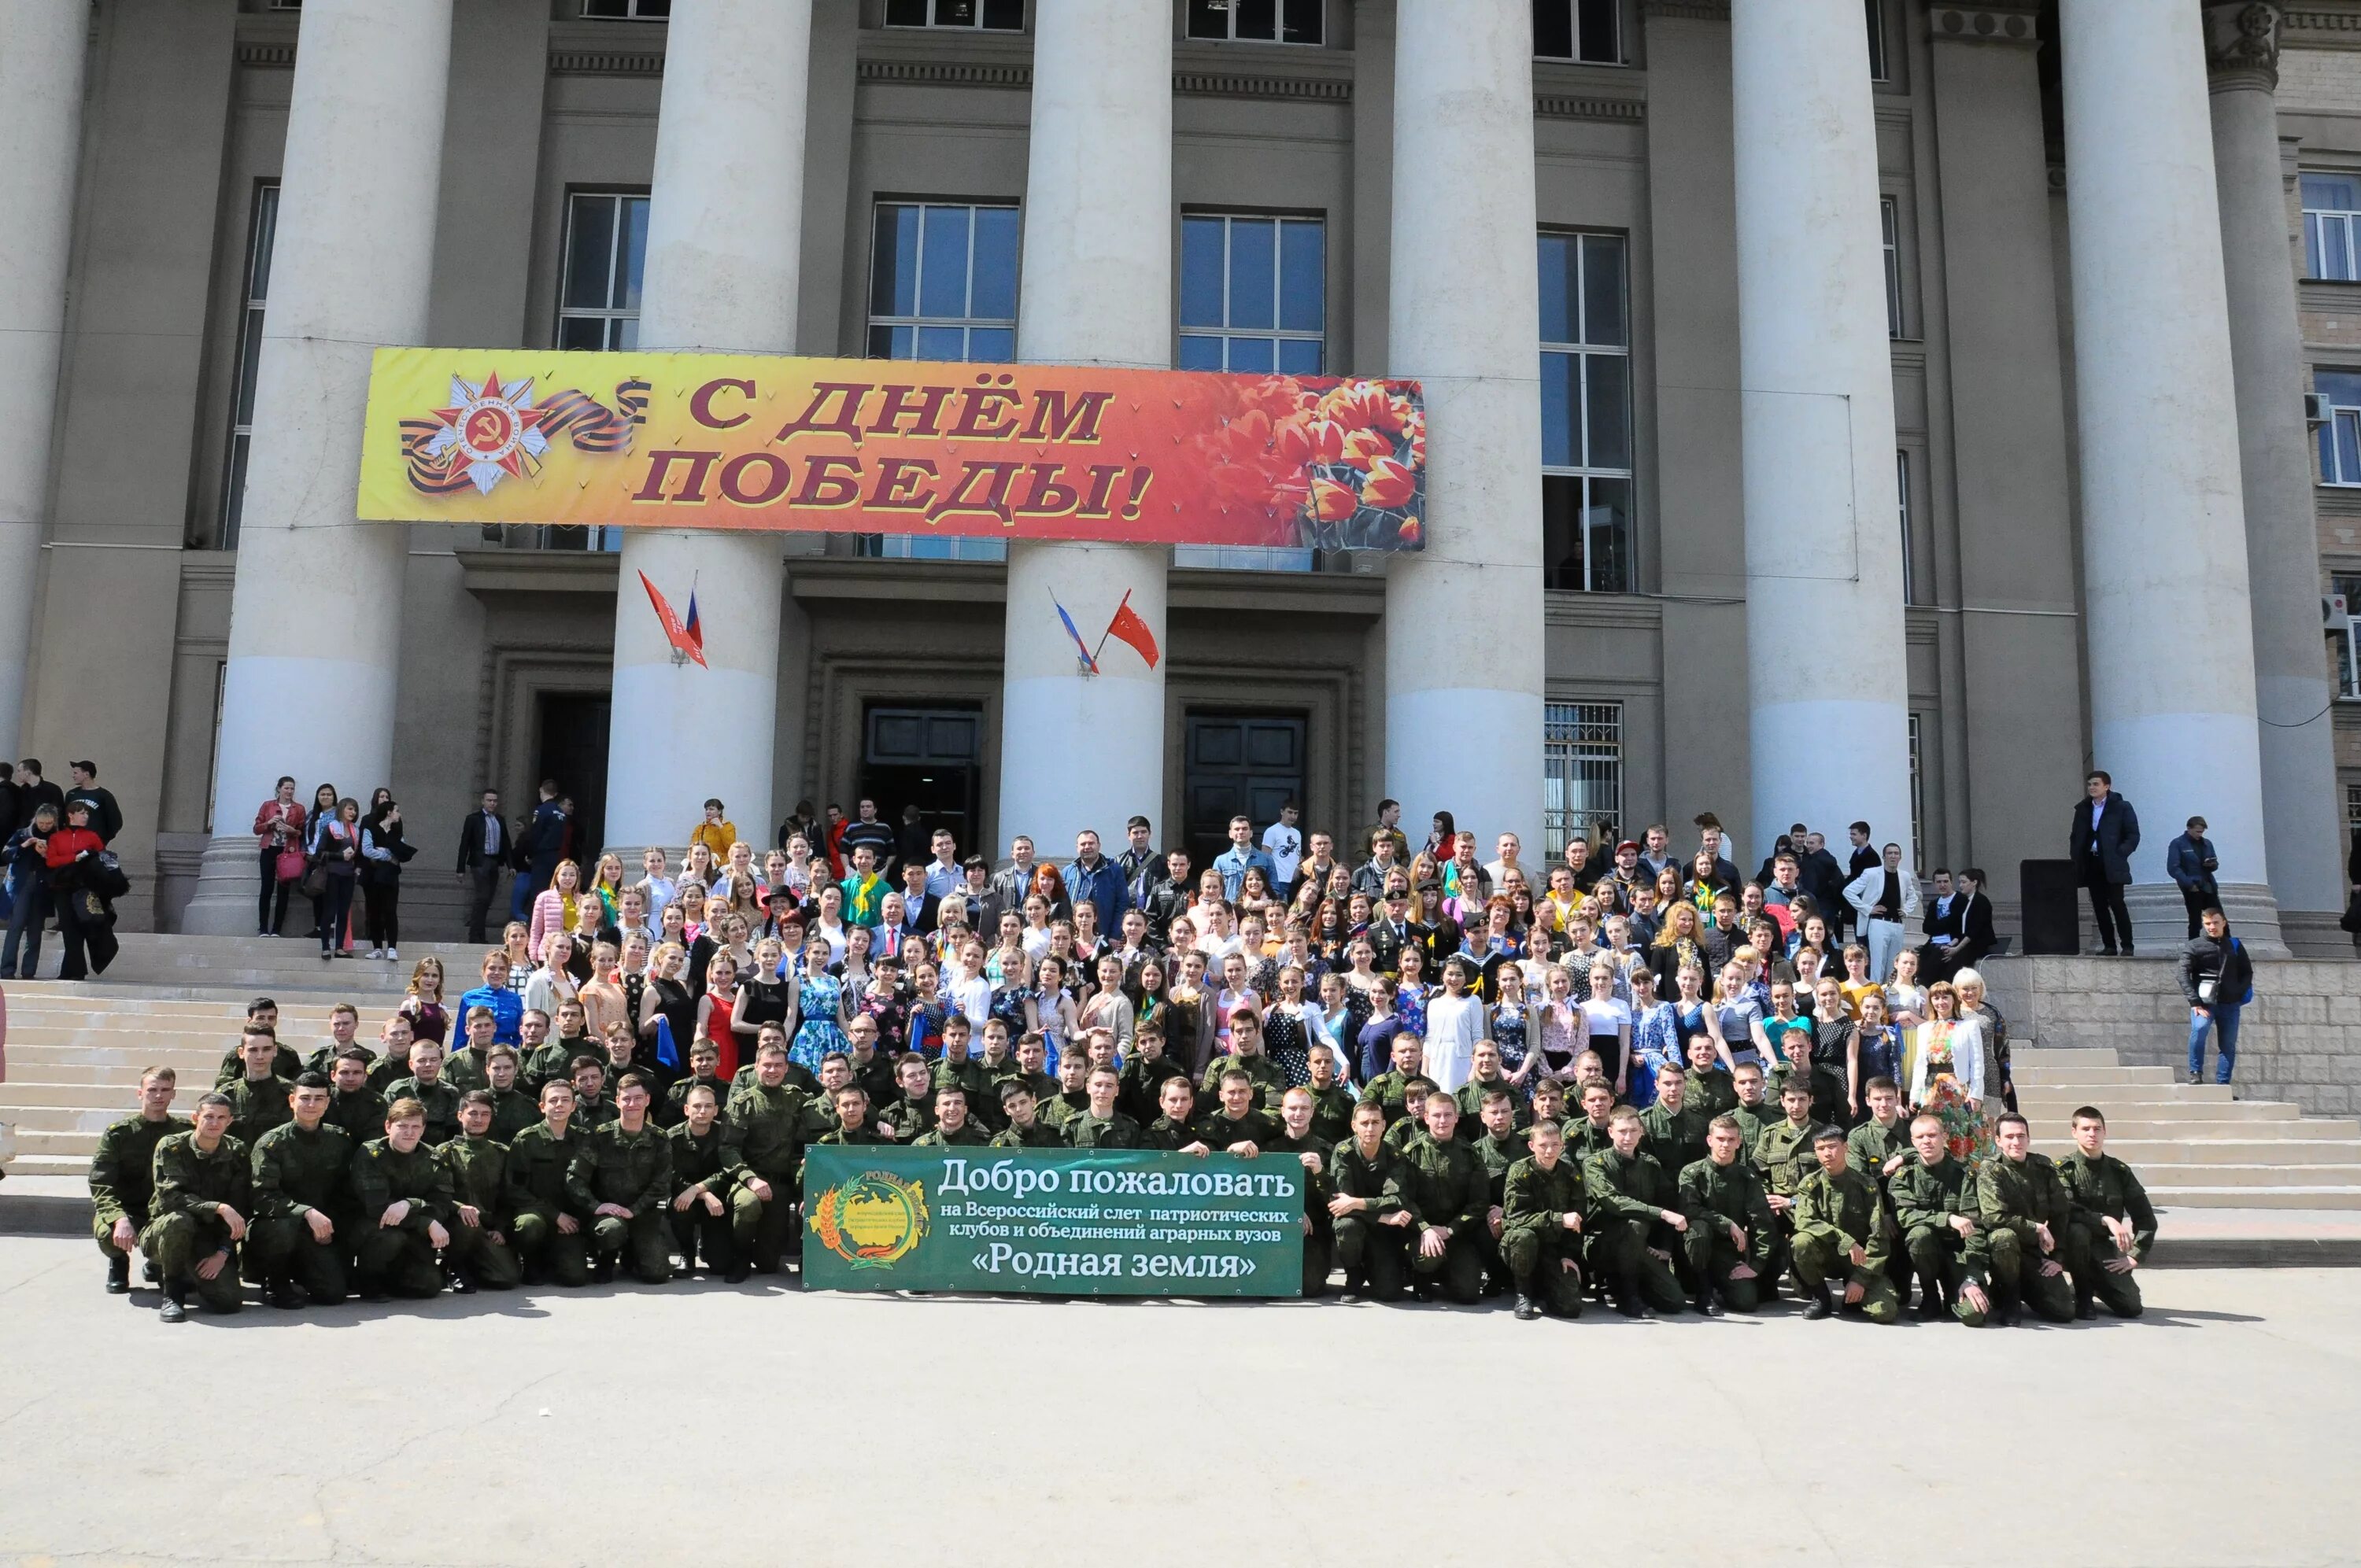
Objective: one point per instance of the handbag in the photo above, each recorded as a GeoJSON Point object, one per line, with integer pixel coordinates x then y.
{"type": "Point", "coordinates": [315, 880]}
{"type": "Point", "coordinates": [291, 864]}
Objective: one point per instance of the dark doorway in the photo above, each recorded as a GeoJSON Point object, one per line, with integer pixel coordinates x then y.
{"type": "Point", "coordinates": [571, 747]}
{"type": "Point", "coordinates": [1250, 763]}
{"type": "Point", "coordinates": [925, 757]}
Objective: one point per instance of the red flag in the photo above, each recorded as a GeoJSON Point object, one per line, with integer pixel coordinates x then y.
{"type": "Point", "coordinates": [688, 640]}
{"type": "Point", "coordinates": [1127, 626]}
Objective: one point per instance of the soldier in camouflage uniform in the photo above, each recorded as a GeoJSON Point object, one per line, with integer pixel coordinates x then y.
{"type": "Point", "coordinates": [403, 1193]}
{"type": "Point", "coordinates": [1296, 1137]}
{"type": "Point", "coordinates": [1632, 1218]}
{"type": "Point", "coordinates": [479, 1253]}
{"type": "Point", "coordinates": [1024, 1130]}
{"type": "Point", "coordinates": [1592, 1132]}
{"type": "Point", "coordinates": [704, 1064]}
{"type": "Point", "coordinates": [1056, 1099]}
{"type": "Point", "coordinates": [469, 1067]}
{"type": "Point", "coordinates": [1102, 1127]}
{"type": "Point", "coordinates": [438, 1100]}
{"type": "Point", "coordinates": [1371, 1224]}
{"type": "Point", "coordinates": [1824, 1088]}
{"type": "Point", "coordinates": [1878, 1145]}
{"type": "Point", "coordinates": [1176, 1128]}
{"type": "Point", "coordinates": [1934, 1198]}
{"type": "Point", "coordinates": [1486, 1077]}
{"type": "Point", "coordinates": [2027, 1218]}
{"type": "Point", "coordinates": [549, 1237]}
{"type": "Point", "coordinates": [854, 1122]}
{"type": "Point", "coordinates": [258, 1096]}
{"type": "Point", "coordinates": [912, 1111]}
{"type": "Point", "coordinates": [622, 1175]}
{"type": "Point", "coordinates": [202, 1192]}
{"type": "Point", "coordinates": [1672, 1130]}
{"type": "Point", "coordinates": [1331, 1102]}
{"type": "Point", "coordinates": [354, 1108]}
{"type": "Point", "coordinates": [1144, 1072]}
{"type": "Point", "coordinates": [1706, 1085]}
{"type": "Point", "coordinates": [123, 1174]}
{"type": "Point", "coordinates": [2113, 1225]}
{"type": "Point", "coordinates": [773, 1119]}
{"type": "Point", "coordinates": [954, 1128]}
{"type": "Point", "coordinates": [512, 1109]}
{"type": "Point", "coordinates": [302, 1203]}
{"type": "Point", "coordinates": [1391, 1090]}
{"type": "Point", "coordinates": [1542, 1209]}
{"type": "Point", "coordinates": [1755, 1114]}
{"type": "Point", "coordinates": [1840, 1231]}
{"type": "Point", "coordinates": [1245, 1056]}
{"type": "Point", "coordinates": [1441, 1184]}
{"type": "Point", "coordinates": [707, 1169]}
{"type": "Point", "coordinates": [1731, 1234]}
{"type": "Point", "coordinates": [1238, 1124]}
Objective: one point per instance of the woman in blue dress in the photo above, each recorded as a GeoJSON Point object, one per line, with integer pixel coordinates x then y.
{"type": "Point", "coordinates": [1409, 999]}
{"type": "Point", "coordinates": [1656, 1043]}
{"type": "Point", "coordinates": [820, 1012]}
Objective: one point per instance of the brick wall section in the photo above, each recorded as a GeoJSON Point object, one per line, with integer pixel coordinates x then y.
{"type": "Point", "coordinates": [2299, 1040]}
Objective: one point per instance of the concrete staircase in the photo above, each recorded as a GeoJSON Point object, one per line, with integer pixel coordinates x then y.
{"type": "Point", "coordinates": [2193, 1145]}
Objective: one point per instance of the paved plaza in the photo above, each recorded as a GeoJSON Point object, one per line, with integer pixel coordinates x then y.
{"type": "Point", "coordinates": [707, 1424]}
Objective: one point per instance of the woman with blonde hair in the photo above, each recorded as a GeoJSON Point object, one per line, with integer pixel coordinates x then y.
{"type": "Point", "coordinates": [1738, 1019]}
{"type": "Point", "coordinates": [423, 1002]}
{"type": "Point", "coordinates": [565, 906]}
{"type": "Point", "coordinates": [1679, 944]}
{"type": "Point", "coordinates": [666, 1000]}
{"type": "Point", "coordinates": [607, 881]}
{"type": "Point", "coordinates": [714, 1011]}
{"type": "Point", "coordinates": [1973, 1003]}
{"type": "Point", "coordinates": [1947, 1078]}
{"type": "Point", "coordinates": [1425, 887]}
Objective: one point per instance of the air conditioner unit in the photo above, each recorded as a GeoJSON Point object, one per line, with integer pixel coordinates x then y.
{"type": "Point", "coordinates": [2316, 410]}
{"type": "Point", "coordinates": [2335, 614]}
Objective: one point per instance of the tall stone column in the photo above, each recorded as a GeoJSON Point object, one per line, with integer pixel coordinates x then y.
{"type": "Point", "coordinates": [1079, 751]}
{"type": "Point", "coordinates": [1831, 737]}
{"type": "Point", "coordinates": [315, 627]}
{"type": "Point", "coordinates": [1464, 625]}
{"type": "Point", "coordinates": [2292, 697]}
{"type": "Point", "coordinates": [2171, 649]}
{"type": "Point", "coordinates": [41, 46]}
{"type": "Point", "coordinates": [725, 240]}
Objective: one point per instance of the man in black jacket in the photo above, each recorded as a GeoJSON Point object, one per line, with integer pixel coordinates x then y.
{"type": "Point", "coordinates": [483, 850]}
{"type": "Point", "coordinates": [2107, 832]}
{"type": "Point", "coordinates": [33, 792]}
{"type": "Point", "coordinates": [105, 816]}
{"type": "Point", "coordinates": [1966, 919]}
{"type": "Point", "coordinates": [2217, 978]}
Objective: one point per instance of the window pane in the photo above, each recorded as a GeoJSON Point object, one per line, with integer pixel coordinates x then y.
{"type": "Point", "coordinates": [1302, 277]}
{"type": "Point", "coordinates": [894, 269]}
{"type": "Point", "coordinates": [994, 298]}
{"type": "Point", "coordinates": [954, 13]}
{"type": "Point", "coordinates": [2336, 251]}
{"type": "Point", "coordinates": [249, 359]}
{"type": "Point", "coordinates": [1252, 353]}
{"type": "Point", "coordinates": [1252, 280]}
{"type": "Point", "coordinates": [1209, 19]}
{"type": "Point", "coordinates": [1608, 407]}
{"type": "Point", "coordinates": [589, 251]}
{"type": "Point", "coordinates": [2331, 193]}
{"type": "Point", "coordinates": [1302, 21]}
{"type": "Point", "coordinates": [1561, 409]}
{"type": "Point", "coordinates": [581, 332]}
{"type": "Point", "coordinates": [1201, 271]}
{"type": "Point", "coordinates": [905, 12]}
{"type": "Point", "coordinates": [1595, 40]}
{"type": "Point", "coordinates": [2348, 446]}
{"type": "Point", "coordinates": [993, 345]}
{"type": "Point", "coordinates": [942, 343]}
{"type": "Point", "coordinates": [2342, 387]}
{"type": "Point", "coordinates": [1257, 19]}
{"type": "Point", "coordinates": [1560, 281]}
{"type": "Point", "coordinates": [1554, 29]}
{"type": "Point", "coordinates": [1561, 531]}
{"type": "Point", "coordinates": [1602, 291]}
{"type": "Point", "coordinates": [625, 333]}
{"type": "Point", "coordinates": [236, 507]}
{"type": "Point", "coordinates": [1005, 15]}
{"type": "Point", "coordinates": [1606, 533]}
{"type": "Point", "coordinates": [1298, 355]}
{"type": "Point", "coordinates": [881, 343]}
{"type": "Point", "coordinates": [1201, 353]}
{"type": "Point", "coordinates": [266, 238]}
{"type": "Point", "coordinates": [630, 265]}
{"type": "Point", "coordinates": [905, 343]}
{"type": "Point", "coordinates": [942, 277]}
{"type": "Point", "coordinates": [2312, 225]}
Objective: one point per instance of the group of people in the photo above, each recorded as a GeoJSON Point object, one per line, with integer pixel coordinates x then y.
{"type": "Point", "coordinates": [1642, 1078]}
{"type": "Point", "coordinates": [55, 865]}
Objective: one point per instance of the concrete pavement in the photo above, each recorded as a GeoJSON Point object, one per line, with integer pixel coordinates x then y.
{"type": "Point", "coordinates": [697, 1423]}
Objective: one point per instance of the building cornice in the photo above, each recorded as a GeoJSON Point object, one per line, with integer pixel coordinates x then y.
{"type": "Point", "coordinates": [2319, 27]}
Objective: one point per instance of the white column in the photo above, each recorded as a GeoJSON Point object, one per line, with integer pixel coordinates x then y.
{"type": "Point", "coordinates": [41, 47]}
{"type": "Point", "coordinates": [1829, 737]}
{"type": "Point", "coordinates": [2298, 741]}
{"type": "Point", "coordinates": [2171, 652]}
{"type": "Point", "coordinates": [725, 240]}
{"type": "Point", "coordinates": [1464, 632]}
{"type": "Point", "coordinates": [315, 617]}
{"type": "Point", "coordinates": [1088, 750]}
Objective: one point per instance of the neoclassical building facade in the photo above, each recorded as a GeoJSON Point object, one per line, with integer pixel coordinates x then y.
{"type": "Point", "coordinates": [1836, 408]}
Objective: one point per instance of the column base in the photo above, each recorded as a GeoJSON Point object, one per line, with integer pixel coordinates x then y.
{"type": "Point", "coordinates": [2160, 919]}
{"type": "Point", "coordinates": [229, 887]}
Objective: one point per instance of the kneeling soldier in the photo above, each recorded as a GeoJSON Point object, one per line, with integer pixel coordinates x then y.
{"type": "Point", "coordinates": [202, 1190]}
{"type": "Point", "coordinates": [2024, 1209]}
{"type": "Point", "coordinates": [707, 1169]}
{"type": "Point", "coordinates": [1632, 1222]}
{"type": "Point", "coordinates": [1102, 1127]}
{"type": "Point", "coordinates": [1319, 1229]}
{"type": "Point", "coordinates": [123, 1175]}
{"type": "Point", "coordinates": [1370, 1223]}
{"type": "Point", "coordinates": [1935, 1208]}
{"type": "Point", "coordinates": [1728, 1243]}
{"type": "Point", "coordinates": [1840, 1231]}
{"type": "Point", "coordinates": [1441, 1185]}
{"type": "Point", "coordinates": [303, 1171]}
{"type": "Point", "coordinates": [622, 1175]}
{"type": "Point", "coordinates": [1541, 1226]}
{"type": "Point", "coordinates": [547, 1233]}
{"type": "Point", "coordinates": [2113, 1225]}
{"type": "Point", "coordinates": [479, 1253]}
{"type": "Point", "coordinates": [404, 1194]}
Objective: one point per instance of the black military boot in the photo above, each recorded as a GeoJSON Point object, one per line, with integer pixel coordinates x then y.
{"type": "Point", "coordinates": [1820, 1306]}
{"type": "Point", "coordinates": [1627, 1299]}
{"type": "Point", "coordinates": [2004, 1308]}
{"type": "Point", "coordinates": [370, 1287]}
{"type": "Point", "coordinates": [1703, 1303]}
{"type": "Point", "coordinates": [118, 1274]}
{"type": "Point", "coordinates": [150, 1273]}
{"type": "Point", "coordinates": [603, 1272]}
{"type": "Point", "coordinates": [1930, 1299]}
{"type": "Point", "coordinates": [279, 1291]}
{"type": "Point", "coordinates": [460, 1280]}
{"type": "Point", "coordinates": [2085, 1309]}
{"type": "Point", "coordinates": [175, 1306]}
{"type": "Point", "coordinates": [1527, 1310]}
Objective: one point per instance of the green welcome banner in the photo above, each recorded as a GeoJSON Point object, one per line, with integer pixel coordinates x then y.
{"type": "Point", "coordinates": [1091, 1222]}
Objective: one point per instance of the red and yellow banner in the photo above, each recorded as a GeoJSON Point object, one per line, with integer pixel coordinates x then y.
{"type": "Point", "coordinates": [768, 442]}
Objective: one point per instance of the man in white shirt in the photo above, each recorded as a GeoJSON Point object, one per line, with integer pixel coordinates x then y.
{"type": "Point", "coordinates": [1499, 870]}
{"type": "Point", "coordinates": [1283, 842]}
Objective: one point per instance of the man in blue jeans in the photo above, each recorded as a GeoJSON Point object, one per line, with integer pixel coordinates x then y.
{"type": "Point", "coordinates": [2218, 979]}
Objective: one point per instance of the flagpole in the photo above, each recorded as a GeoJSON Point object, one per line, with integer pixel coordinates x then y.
{"type": "Point", "coordinates": [1110, 621]}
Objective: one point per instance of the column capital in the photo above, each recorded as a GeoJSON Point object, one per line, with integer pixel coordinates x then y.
{"type": "Point", "coordinates": [1993, 22]}
{"type": "Point", "coordinates": [2242, 46]}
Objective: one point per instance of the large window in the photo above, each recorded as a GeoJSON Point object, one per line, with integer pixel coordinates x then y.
{"type": "Point", "coordinates": [1880, 68]}
{"type": "Point", "coordinates": [1253, 298]}
{"type": "Point", "coordinates": [1582, 771]}
{"type": "Point", "coordinates": [2345, 635]}
{"type": "Point", "coordinates": [1261, 21]}
{"type": "Point", "coordinates": [1585, 413]}
{"type": "Point", "coordinates": [942, 285]}
{"type": "Point", "coordinates": [1889, 224]}
{"type": "Point", "coordinates": [2332, 227]}
{"type": "Point", "coordinates": [1586, 30]}
{"type": "Point", "coordinates": [2340, 437]}
{"type": "Point", "coordinates": [606, 260]}
{"type": "Point", "coordinates": [261, 232]}
{"type": "Point", "coordinates": [998, 15]}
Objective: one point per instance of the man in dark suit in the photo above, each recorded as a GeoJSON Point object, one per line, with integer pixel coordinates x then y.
{"type": "Point", "coordinates": [920, 909]}
{"type": "Point", "coordinates": [1958, 927]}
{"type": "Point", "coordinates": [2107, 832]}
{"type": "Point", "coordinates": [483, 850]}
